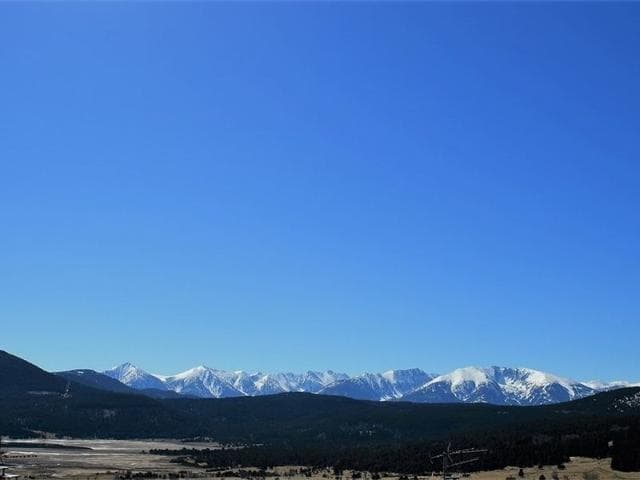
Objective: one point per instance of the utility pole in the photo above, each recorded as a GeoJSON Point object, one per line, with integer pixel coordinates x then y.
{"type": "Point", "coordinates": [449, 461]}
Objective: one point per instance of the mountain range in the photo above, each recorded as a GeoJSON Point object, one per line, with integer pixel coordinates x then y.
{"type": "Point", "coordinates": [299, 428]}
{"type": "Point", "coordinates": [495, 385]}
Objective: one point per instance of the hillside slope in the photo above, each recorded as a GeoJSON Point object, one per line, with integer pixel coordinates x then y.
{"type": "Point", "coordinates": [33, 400]}
{"type": "Point", "coordinates": [91, 378]}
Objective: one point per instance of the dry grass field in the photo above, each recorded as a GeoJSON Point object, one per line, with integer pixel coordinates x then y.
{"type": "Point", "coordinates": [578, 469]}
{"type": "Point", "coordinates": [92, 458]}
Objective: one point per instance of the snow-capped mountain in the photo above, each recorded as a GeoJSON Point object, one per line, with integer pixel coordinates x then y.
{"type": "Point", "coordinates": [313, 382]}
{"type": "Point", "coordinates": [273, 383]}
{"type": "Point", "coordinates": [309, 381]}
{"type": "Point", "coordinates": [209, 382]}
{"type": "Point", "coordinates": [499, 385]}
{"type": "Point", "coordinates": [135, 377]}
{"type": "Point", "coordinates": [406, 381]}
{"type": "Point", "coordinates": [389, 385]}
{"type": "Point", "coordinates": [600, 386]}
{"type": "Point", "coordinates": [242, 381]}
{"type": "Point", "coordinates": [202, 382]}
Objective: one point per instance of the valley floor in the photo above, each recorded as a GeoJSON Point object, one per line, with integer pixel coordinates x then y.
{"type": "Point", "coordinates": [91, 458]}
{"type": "Point", "coordinates": [111, 459]}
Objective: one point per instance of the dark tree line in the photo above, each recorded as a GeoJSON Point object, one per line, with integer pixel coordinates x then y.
{"type": "Point", "coordinates": [625, 455]}
{"type": "Point", "coordinates": [524, 447]}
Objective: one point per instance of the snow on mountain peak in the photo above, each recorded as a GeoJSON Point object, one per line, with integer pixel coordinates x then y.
{"type": "Point", "coordinates": [135, 377]}
{"type": "Point", "coordinates": [600, 386]}
{"type": "Point", "coordinates": [499, 385]}
{"type": "Point", "coordinates": [191, 373]}
{"type": "Point", "coordinates": [475, 375]}
{"type": "Point", "coordinates": [389, 385]}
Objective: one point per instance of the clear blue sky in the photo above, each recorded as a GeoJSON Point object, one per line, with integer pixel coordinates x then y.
{"type": "Point", "coordinates": [353, 186]}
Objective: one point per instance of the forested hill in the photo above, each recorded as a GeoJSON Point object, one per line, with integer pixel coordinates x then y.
{"type": "Point", "coordinates": [34, 400]}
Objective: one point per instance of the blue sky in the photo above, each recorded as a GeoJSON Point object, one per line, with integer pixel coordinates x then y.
{"type": "Point", "coordinates": [356, 186]}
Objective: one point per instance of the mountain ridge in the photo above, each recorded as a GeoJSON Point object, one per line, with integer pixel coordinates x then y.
{"type": "Point", "coordinates": [500, 386]}
{"type": "Point", "coordinates": [496, 385]}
